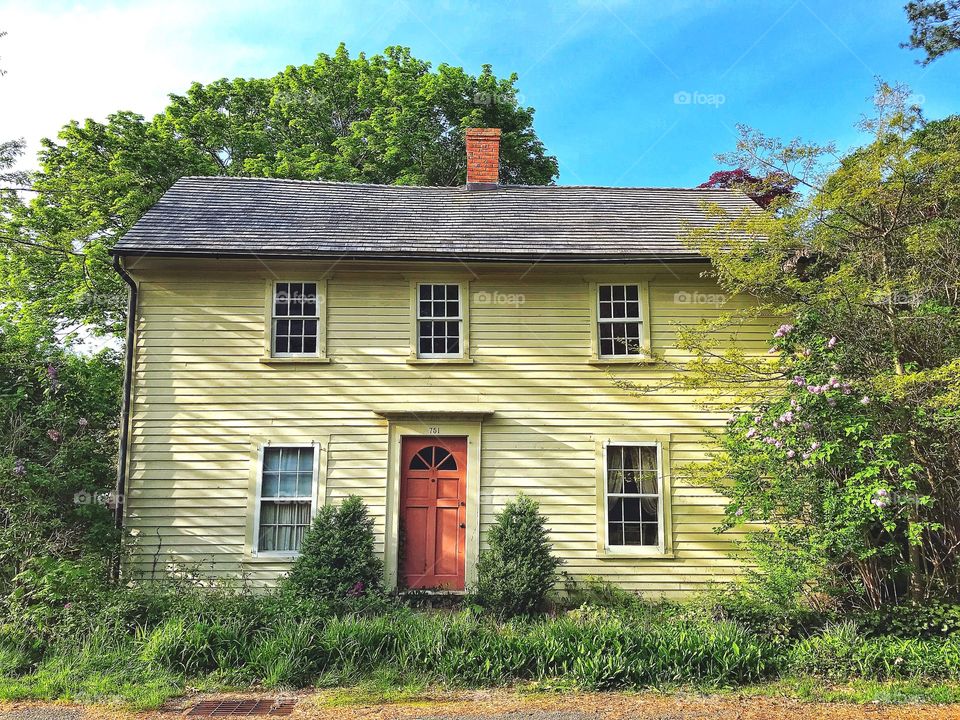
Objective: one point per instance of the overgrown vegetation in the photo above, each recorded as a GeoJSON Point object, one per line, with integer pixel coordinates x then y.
{"type": "Point", "coordinates": [141, 645]}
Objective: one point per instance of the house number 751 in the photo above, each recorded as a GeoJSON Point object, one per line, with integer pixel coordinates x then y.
{"type": "Point", "coordinates": [433, 430]}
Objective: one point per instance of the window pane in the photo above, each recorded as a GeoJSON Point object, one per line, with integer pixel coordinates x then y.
{"type": "Point", "coordinates": [648, 509]}
{"type": "Point", "coordinates": [305, 459]}
{"type": "Point", "coordinates": [618, 292]}
{"type": "Point", "coordinates": [424, 308]}
{"type": "Point", "coordinates": [631, 533]}
{"type": "Point", "coordinates": [453, 292]}
{"type": "Point", "coordinates": [615, 509]}
{"type": "Point", "coordinates": [271, 484]}
{"type": "Point", "coordinates": [437, 310]}
{"type": "Point", "coordinates": [651, 534]}
{"type": "Point", "coordinates": [271, 459]}
{"type": "Point", "coordinates": [453, 308]}
{"type": "Point", "coordinates": [282, 526]}
{"type": "Point", "coordinates": [604, 293]}
{"type": "Point", "coordinates": [633, 292]}
{"type": "Point", "coordinates": [425, 292]}
{"type": "Point", "coordinates": [616, 533]}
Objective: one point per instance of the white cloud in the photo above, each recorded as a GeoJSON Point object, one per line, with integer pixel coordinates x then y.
{"type": "Point", "coordinates": [73, 61]}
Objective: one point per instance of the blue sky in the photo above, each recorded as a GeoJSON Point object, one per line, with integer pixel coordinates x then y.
{"type": "Point", "coordinates": [605, 76]}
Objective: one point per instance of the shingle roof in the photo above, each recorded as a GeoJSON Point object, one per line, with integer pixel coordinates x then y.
{"type": "Point", "coordinates": [222, 216]}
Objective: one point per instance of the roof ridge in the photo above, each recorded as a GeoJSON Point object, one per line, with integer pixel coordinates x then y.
{"type": "Point", "coordinates": [341, 183]}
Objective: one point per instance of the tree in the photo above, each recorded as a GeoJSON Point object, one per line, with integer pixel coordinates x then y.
{"type": "Point", "coordinates": [386, 118]}
{"type": "Point", "coordinates": [845, 440]}
{"type": "Point", "coordinates": [935, 27]}
{"type": "Point", "coordinates": [763, 191]}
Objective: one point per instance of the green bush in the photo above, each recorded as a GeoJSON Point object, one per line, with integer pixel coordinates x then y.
{"type": "Point", "coordinates": [518, 569]}
{"type": "Point", "coordinates": [929, 620]}
{"type": "Point", "coordinates": [337, 562]}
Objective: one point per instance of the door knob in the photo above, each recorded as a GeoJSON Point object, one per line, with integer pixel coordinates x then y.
{"type": "Point", "coordinates": [463, 526]}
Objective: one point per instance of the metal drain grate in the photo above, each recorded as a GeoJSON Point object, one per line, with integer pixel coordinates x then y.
{"type": "Point", "coordinates": [234, 708]}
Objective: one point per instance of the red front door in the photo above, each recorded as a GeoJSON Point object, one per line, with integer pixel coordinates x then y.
{"type": "Point", "coordinates": [433, 511]}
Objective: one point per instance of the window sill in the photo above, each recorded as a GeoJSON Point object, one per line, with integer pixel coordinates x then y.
{"type": "Point", "coordinates": [271, 558]}
{"type": "Point", "coordinates": [439, 361]}
{"type": "Point", "coordinates": [651, 554]}
{"type": "Point", "coordinates": [630, 360]}
{"type": "Point", "coordinates": [306, 360]}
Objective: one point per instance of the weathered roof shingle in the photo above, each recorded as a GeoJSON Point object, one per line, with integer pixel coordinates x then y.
{"type": "Point", "coordinates": [222, 216]}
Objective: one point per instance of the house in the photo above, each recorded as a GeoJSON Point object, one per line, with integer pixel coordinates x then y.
{"type": "Point", "coordinates": [435, 351]}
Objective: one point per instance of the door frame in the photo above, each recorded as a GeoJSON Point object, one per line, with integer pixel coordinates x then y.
{"type": "Point", "coordinates": [426, 427]}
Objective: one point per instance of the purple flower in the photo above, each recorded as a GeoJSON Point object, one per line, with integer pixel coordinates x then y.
{"type": "Point", "coordinates": [831, 342]}
{"type": "Point", "coordinates": [770, 440]}
{"type": "Point", "coordinates": [833, 382]}
{"type": "Point", "coordinates": [357, 589]}
{"type": "Point", "coordinates": [54, 435]}
{"type": "Point", "coordinates": [19, 468]}
{"type": "Point", "coordinates": [783, 331]}
{"type": "Point", "coordinates": [778, 444]}
{"type": "Point", "coordinates": [805, 456]}
{"type": "Point", "coordinates": [739, 512]}
{"type": "Point", "coordinates": [787, 417]}
{"type": "Point", "coordinates": [864, 400]}
{"type": "Point", "coordinates": [799, 380]}
{"type": "Point", "coordinates": [815, 445]}
{"type": "Point", "coordinates": [847, 390]}
{"type": "Point", "coordinates": [751, 432]}
{"type": "Point", "coordinates": [882, 492]}
{"type": "Point", "coordinates": [815, 389]}
{"type": "Point", "coordinates": [791, 453]}
{"type": "Point", "coordinates": [83, 422]}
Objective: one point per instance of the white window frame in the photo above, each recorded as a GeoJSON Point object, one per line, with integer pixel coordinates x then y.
{"type": "Point", "coordinates": [312, 499]}
{"type": "Point", "coordinates": [460, 319]}
{"type": "Point", "coordinates": [660, 547]}
{"type": "Point", "coordinates": [641, 350]}
{"type": "Point", "coordinates": [320, 301]}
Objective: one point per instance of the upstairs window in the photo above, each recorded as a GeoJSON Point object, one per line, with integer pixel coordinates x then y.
{"type": "Point", "coordinates": [619, 321]}
{"type": "Point", "coordinates": [295, 319]}
{"type": "Point", "coordinates": [439, 321]}
{"type": "Point", "coordinates": [285, 506]}
{"type": "Point", "coordinates": [633, 495]}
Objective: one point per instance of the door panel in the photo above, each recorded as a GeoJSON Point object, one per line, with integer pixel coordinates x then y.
{"type": "Point", "coordinates": [433, 511]}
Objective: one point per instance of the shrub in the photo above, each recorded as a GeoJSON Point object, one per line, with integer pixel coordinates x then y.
{"type": "Point", "coordinates": [930, 620]}
{"type": "Point", "coordinates": [516, 572]}
{"type": "Point", "coordinates": [337, 562]}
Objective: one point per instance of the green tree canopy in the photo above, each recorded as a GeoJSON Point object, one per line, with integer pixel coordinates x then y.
{"type": "Point", "coordinates": [846, 440]}
{"type": "Point", "coordinates": [386, 118]}
{"type": "Point", "coordinates": [935, 27]}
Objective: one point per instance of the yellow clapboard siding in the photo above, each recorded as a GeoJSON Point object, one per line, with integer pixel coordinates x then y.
{"type": "Point", "coordinates": [203, 400]}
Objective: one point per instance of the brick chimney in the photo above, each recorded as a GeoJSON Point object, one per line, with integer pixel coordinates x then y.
{"type": "Point", "coordinates": [483, 158]}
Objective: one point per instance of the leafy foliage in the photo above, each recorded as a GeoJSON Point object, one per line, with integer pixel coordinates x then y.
{"type": "Point", "coordinates": [763, 191]}
{"type": "Point", "coordinates": [337, 559]}
{"type": "Point", "coordinates": [935, 27]}
{"type": "Point", "coordinates": [387, 118]}
{"type": "Point", "coordinates": [518, 569]}
{"type": "Point", "coordinates": [58, 424]}
{"type": "Point", "coordinates": [845, 443]}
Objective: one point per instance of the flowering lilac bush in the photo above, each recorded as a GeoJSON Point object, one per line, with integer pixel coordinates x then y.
{"type": "Point", "coordinates": [58, 421]}
{"type": "Point", "coordinates": [844, 453]}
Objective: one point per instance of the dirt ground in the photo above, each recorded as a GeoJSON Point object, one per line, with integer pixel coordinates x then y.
{"type": "Point", "coordinates": [507, 705]}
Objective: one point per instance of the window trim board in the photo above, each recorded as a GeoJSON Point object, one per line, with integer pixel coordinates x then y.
{"type": "Point", "coordinates": [415, 358]}
{"type": "Point", "coordinates": [665, 548]}
{"type": "Point", "coordinates": [320, 356]}
{"type": "Point", "coordinates": [251, 551]}
{"type": "Point", "coordinates": [646, 351]}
